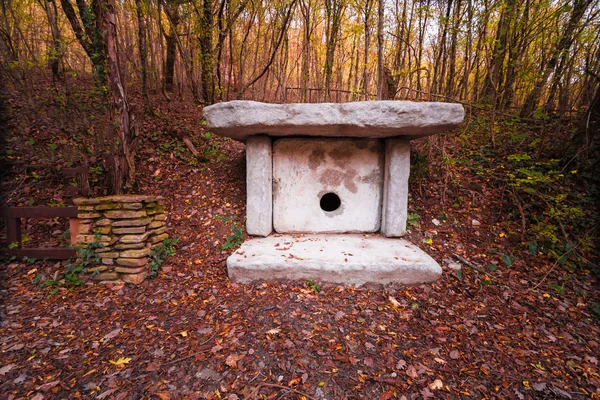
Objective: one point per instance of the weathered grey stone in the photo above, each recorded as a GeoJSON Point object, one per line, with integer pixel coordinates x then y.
{"type": "Point", "coordinates": [103, 230]}
{"type": "Point", "coordinates": [99, 269]}
{"type": "Point", "coordinates": [132, 262]}
{"type": "Point", "coordinates": [103, 222]}
{"type": "Point", "coordinates": [134, 238]}
{"type": "Point", "coordinates": [135, 279]}
{"type": "Point", "coordinates": [135, 229]}
{"type": "Point", "coordinates": [155, 210]}
{"type": "Point", "coordinates": [160, 217]}
{"type": "Point", "coordinates": [85, 229]}
{"type": "Point", "coordinates": [370, 119]}
{"type": "Point", "coordinates": [85, 208]}
{"type": "Point", "coordinates": [134, 270]}
{"type": "Point", "coordinates": [132, 206]}
{"type": "Point", "coordinates": [108, 261]}
{"type": "Point", "coordinates": [259, 186]}
{"type": "Point", "coordinates": [119, 198]}
{"type": "Point", "coordinates": [122, 246]}
{"type": "Point", "coordinates": [305, 170]}
{"type": "Point", "coordinates": [132, 222]}
{"type": "Point", "coordinates": [123, 214]}
{"type": "Point", "coordinates": [155, 224]}
{"type": "Point", "coordinates": [90, 215]}
{"type": "Point", "coordinates": [82, 201]}
{"type": "Point", "coordinates": [111, 254]}
{"type": "Point", "coordinates": [349, 259]}
{"type": "Point", "coordinates": [158, 238]}
{"type": "Point", "coordinates": [108, 206]}
{"type": "Point", "coordinates": [84, 238]}
{"type": "Point", "coordinates": [136, 253]}
{"type": "Point", "coordinates": [106, 276]}
{"type": "Point", "coordinates": [104, 249]}
{"type": "Point", "coordinates": [158, 231]}
{"type": "Point", "coordinates": [395, 190]}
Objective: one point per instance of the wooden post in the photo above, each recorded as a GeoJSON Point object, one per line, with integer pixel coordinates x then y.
{"type": "Point", "coordinates": [13, 231]}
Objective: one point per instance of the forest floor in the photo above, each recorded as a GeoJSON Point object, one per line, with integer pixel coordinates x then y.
{"type": "Point", "coordinates": [503, 321]}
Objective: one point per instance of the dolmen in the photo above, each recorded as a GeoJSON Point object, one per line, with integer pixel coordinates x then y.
{"type": "Point", "coordinates": [327, 188]}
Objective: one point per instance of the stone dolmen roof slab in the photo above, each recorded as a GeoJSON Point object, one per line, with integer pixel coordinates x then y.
{"type": "Point", "coordinates": [368, 119]}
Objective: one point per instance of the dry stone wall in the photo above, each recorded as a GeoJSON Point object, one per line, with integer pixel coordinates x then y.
{"type": "Point", "coordinates": [128, 226]}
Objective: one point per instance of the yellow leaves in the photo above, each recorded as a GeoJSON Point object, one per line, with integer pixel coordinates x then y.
{"type": "Point", "coordinates": [321, 384]}
{"type": "Point", "coordinates": [546, 295]}
{"type": "Point", "coordinates": [526, 384]}
{"type": "Point", "coordinates": [538, 366]}
{"type": "Point", "coordinates": [429, 241]}
{"type": "Point", "coordinates": [120, 361]}
{"type": "Point", "coordinates": [183, 333]}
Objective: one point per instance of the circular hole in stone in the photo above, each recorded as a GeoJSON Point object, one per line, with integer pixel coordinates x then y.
{"type": "Point", "coordinates": [330, 202]}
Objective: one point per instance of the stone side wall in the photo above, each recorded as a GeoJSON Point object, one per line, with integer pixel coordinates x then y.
{"type": "Point", "coordinates": [128, 226]}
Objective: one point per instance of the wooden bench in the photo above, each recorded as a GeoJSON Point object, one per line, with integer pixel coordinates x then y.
{"type": "Point", "coordinates": [13, 216]}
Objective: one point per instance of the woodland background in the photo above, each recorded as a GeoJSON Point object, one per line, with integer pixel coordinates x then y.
{"type": "Point", "coordinates": [105, 96]}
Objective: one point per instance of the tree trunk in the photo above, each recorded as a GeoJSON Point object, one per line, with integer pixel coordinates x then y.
{"type": "Point", "coordinates": [89, 34]}
{"type": "Point", "coordinates": [306, 10]}
{"type": "Point", "coordinates": [143, 52]}
{"type": "Point", "coordinates": [206, 58]}
{"type": "Point", "coordinates": [55, 51]}
{"type": "Point", "coordinates": [333, 10]}
{"type": "Point", "coordinates": [380, 55]}
{"type": "Point", "coordinates": [123, 173]}
{"type": "Point", "coordinates": [367, 26]}
{"type": "Point", "coordinates": [172, 10]}
{"type": "Point", "coordinates": [562, 47]}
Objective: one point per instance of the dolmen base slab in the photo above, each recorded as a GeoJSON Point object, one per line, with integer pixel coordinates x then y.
{"type": "Point", "coordinates": [352, 259]}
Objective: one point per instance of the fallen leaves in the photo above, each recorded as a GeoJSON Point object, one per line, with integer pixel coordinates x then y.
{"type": "Point", "coordinates": [4, 370]}
{"type": "Point", "coordinates": [120, 361]}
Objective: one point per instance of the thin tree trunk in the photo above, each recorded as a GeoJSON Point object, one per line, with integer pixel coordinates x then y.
{"type": "Point", "coordinates": [143, 52]}
{"type": "Point", "coordinates": [563, 45]}
{"type": "Point", "coordinates": [380, 55]}
{"type": "Point", "coordinates": [123, 174]}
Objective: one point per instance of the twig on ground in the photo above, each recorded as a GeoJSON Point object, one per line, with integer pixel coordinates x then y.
{"type": "Point", "coordinates": [255, 391]}
{"type": "Point", "coordinates": [189, 356]}
{"type": "Point", "coordinates": [537, 285]}
{"type": "Point", "coordinates": [468, 263]}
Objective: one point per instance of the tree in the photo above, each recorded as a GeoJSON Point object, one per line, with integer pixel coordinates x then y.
{"type": "Point", "coordinates": [334, 10]}
{"type": "Point", "coordinates": [86, 26]}
{"type": "Point", "coordinates": [563, 45]}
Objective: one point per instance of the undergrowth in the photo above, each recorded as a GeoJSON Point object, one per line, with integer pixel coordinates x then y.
{"type": "Point", "coordinates": [548, 195]}
{"type": "Point", "coordinates": [159, 254]}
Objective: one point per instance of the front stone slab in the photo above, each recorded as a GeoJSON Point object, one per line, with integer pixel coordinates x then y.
{"type": "Point", "coordinates": [327, 185]}
{"type": "Point", "coordinates": [347, 259]}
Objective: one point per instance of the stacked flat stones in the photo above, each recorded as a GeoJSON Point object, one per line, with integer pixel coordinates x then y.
{"type": "Point", "coordinates": [128, 226]}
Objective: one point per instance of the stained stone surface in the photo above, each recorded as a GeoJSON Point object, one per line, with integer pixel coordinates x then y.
{"type": "Point", "coordinates": [349, 259]}
{"type": "Point", "coordinates": [240, 119]}
{"type": "Point", "coordinates": [395, 190]}
{"type": "Point", "coordinates": [305, 170]}
{"type": "Point", "coordinates": [259, 187]}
